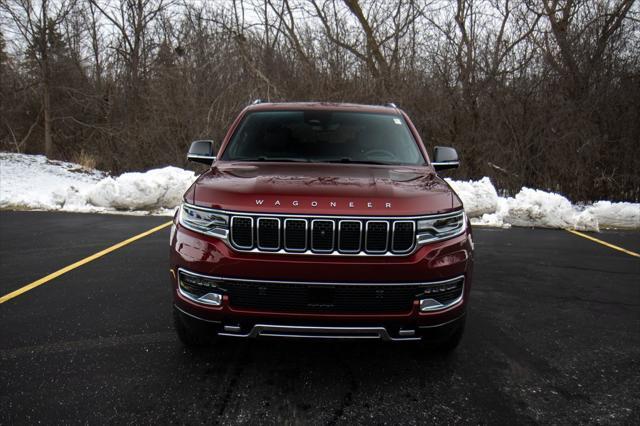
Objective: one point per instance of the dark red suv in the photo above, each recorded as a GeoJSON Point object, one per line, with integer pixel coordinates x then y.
{"type": "Point", "coordinates": [321, 220]}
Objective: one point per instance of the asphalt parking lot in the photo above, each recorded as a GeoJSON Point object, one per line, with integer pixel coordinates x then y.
{"type": "Point", "coordinates": [553, 336]}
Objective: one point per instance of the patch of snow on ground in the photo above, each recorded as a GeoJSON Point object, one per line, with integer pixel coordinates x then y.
{"type": "Point", "coordinates": [33, 182]}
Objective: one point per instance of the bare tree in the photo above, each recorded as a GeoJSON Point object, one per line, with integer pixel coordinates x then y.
{"type": "Point", "coordinates": [131, 20]}
{"type": "Point", "coordinates": [35, 23]}
{"type": "Point", "coordinates": [520, 87]}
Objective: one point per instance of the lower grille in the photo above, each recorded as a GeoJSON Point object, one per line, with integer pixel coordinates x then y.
{"type": "Point", "coordinates": [302, 297]}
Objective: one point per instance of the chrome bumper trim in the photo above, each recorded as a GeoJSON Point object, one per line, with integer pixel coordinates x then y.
{"type": "Point", "coordinates": [219, 278]}
{"type": "Point", "coordinates": [313, 332]}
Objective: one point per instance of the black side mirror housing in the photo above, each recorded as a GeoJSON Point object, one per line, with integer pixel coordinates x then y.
{"type": "Point", "coordinates": [445, 157]}
{"type": "Point", "coordinates": [201, 152]}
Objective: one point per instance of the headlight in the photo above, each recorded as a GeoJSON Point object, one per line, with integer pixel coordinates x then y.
{"type": "Point", "coordinates": [204, 221]}
{"type": "Point", "coordinates": [441, 227]}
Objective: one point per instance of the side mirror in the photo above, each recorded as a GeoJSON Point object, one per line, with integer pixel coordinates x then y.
{"type": "Point", "coordinates": [201, 152]}
{"type": "Point", "coordinates": [444, 158]}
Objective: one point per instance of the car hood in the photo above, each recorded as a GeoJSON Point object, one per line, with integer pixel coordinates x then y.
{"type": "Point", "coordinates": [323, 189]}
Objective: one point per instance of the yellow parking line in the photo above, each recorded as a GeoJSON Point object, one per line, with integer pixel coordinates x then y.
{"type": "Point", "coordinates": [79, 263]}
{"type": "Point", "coordinates": [604, 243]}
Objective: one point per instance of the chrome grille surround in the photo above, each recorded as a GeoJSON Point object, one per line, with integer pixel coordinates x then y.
{"type": "Point", "coordinates": [231, 234]}
{"type": "Point", "coordinates": [306, 238]}
{"type": "Point", "coordinates": [309, 221]}
{"type": "Point", "coordinates": [366, 237]}
{"type": "Point", "coordinates": [394, 236]}
{"type": "Point", "coordinates": [263, 246]}
{"type": "Point", "coordinates": [312, 246]}
{"type": "Point", "coordinates": [340, 232]}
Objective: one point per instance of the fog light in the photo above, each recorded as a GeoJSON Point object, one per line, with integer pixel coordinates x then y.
{"type": "Point", "coordinates": [214, 299]}
{"type": "Point", "coordinates": [199, 289]}
{"type": "Point", "coordinates": [430, 305]}
{"type": "Point", "coordinates": [440, 296]}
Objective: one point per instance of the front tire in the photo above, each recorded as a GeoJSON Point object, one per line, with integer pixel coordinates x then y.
{"type": "Point", "coordinates": [190, 334]}
{"type": "Point", "coordinates": [450, 344]}
{"type": "Point", "coordinates": [439, 342]}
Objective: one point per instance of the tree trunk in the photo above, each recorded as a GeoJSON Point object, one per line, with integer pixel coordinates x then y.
{"type": "Point", "coordinates": [46, 82]}
{"type": "Point", "coordinates": [46, 103]}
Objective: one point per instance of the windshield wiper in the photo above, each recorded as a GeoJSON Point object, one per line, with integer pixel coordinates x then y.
{"type": "Point", "coordinates": [352, 161]}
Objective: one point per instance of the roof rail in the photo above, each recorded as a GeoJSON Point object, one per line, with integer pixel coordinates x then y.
{"type": "Point", "coordinates": [391, 104]}
{"type": "Point", "coordinates": [256, 102]}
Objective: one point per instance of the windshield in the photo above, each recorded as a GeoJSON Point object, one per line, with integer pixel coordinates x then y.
{"type": "Point", "coordinates": [324, 137]}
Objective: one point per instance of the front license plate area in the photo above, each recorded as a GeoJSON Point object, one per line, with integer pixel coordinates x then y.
{"type": "Point", "coordinates": [320, 296]}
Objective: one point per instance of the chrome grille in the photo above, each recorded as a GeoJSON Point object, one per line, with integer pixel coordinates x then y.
{"type": "Point", "coordinates": [323, 235]}
{"type": "Point", "coordinates": [242, 232]}
{"type": "Point", "coordinates": [295, 235]}
{"type": "Point", "coordinates": [268, 233]}
{"type": "Point", "coordinates": [403, 236]}
{"type": "Point", "coordinates": [377, 236]}
{"type": "Point", "coordinates": [349, 236]}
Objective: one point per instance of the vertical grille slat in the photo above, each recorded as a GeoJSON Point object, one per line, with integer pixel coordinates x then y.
{"type": "Point", "coordinates": [295, 234]}
{"type": "Point", "coordinates": [322, 235]}
{"type": "Point", "coordinates": [268, 233]}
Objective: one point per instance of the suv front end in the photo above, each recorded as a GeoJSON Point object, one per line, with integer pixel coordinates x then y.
{"type": "Point", "coordinates": [321, 249]}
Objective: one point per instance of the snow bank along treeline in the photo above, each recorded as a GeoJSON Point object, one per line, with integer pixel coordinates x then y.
{"type": "Point", "coordinates": [33, 182]}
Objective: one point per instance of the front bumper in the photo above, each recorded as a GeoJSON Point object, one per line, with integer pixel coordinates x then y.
{"type": "Point", "coordinates": [387, 333]}
{"type": "Point", "coordinates": [208, 256]}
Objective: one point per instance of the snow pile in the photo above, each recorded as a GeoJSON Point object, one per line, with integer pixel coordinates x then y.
{"type": "Point", "coordinates": [158, 188]}
{"type": "Point", "coordinates": [536, 208]}
{"type": "Point", "coordinates": [33, 182]}
{"type": "Point", "coordinates": [616, 215]}
{"type": "Point", "coordinates": [532, 207]}
{"type": "Point", "coordinates": [479, 197]}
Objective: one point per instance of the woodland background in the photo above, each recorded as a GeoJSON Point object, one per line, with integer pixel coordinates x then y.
{"type": "Point", "coordinates": [538, 93]}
